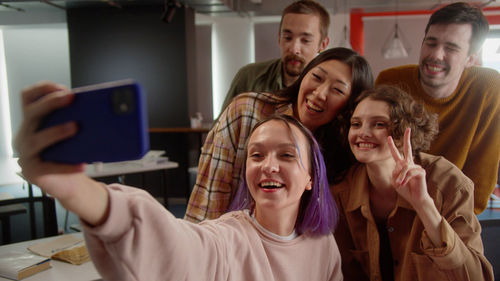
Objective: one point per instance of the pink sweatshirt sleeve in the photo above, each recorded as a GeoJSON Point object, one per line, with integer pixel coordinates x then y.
{"type": "Point", "coordinates": [129, 244]}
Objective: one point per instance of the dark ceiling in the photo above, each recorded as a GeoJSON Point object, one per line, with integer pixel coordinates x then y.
{"type": "Point", "coordinates": [249, 7]}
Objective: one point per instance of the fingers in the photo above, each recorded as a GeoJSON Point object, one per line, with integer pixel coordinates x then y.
{"type": "Point", "coordinates": [394, 150]}
{"type": "Point", "coordinates": [34, 92]}
{"type": "Point", "coordinates": [47, 103]}
{"type": "Point", "coordinates": [407, 146]}
{"type": "Point", "coordinates": [407, 174]}
{"type": "Point", "coordinates": [30, 145]}
{"type": "Point", "coordinates": [38, 101]}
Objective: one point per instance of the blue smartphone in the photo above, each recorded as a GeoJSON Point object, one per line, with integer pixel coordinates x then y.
{"type": "Point", "coordinates": [112, 125]}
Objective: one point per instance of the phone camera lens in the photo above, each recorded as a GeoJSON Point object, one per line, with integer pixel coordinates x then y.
{"type": "Point", "coordinates": [123, 100]}
{"type": "Point", "coordinates": [123, 107]}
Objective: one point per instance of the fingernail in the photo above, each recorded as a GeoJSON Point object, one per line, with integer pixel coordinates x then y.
{"type": "Point", "coordinates": [70, 126]}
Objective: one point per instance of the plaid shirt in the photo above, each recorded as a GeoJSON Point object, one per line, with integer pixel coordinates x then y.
{"type": "Point", "coordinates": [222, 154]}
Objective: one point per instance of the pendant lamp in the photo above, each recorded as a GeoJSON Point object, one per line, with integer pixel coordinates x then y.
{"type": "Point", "coordinates": [345, 39]}
{"type": "Point", "coordinates": [345, 33]}
{"type": "Point", "coordinates": [394, 48]}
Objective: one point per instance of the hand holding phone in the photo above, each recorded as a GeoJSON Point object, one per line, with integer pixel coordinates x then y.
{"type": "Point", "coordinates": [112, 125]}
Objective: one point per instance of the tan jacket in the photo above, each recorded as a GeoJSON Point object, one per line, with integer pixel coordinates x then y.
{"type": "Point", "coordinates": [414, 256]}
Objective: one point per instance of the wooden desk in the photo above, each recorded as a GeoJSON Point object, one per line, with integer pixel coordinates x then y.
{"type": "Point", "coordinates": [60, 271]}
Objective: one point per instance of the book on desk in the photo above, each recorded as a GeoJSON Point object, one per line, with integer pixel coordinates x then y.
{"type": "Point", "coordinates": [19, 265]}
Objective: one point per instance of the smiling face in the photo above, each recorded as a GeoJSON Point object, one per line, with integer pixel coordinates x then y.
{"type": "Point", "coordinates": [299, 40]}
{"type": "Point", "coordinates": [443, 57]}
{"type": "Point", "coordinates": [277, 168]}
{"type": "Point", "coordinates": [369, 131]}
{"type": "Point", "coordinates": [324, 90]}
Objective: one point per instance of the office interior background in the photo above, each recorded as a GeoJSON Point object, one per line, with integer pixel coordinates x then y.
{"type": "Point", "coordinates": [184, 53]}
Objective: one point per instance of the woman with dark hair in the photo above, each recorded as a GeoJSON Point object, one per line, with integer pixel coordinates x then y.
{"type": "Point", "coordinates": [283, 230]}
{"type": "Point", "coordinates": [404, 214]}
{"type": "Point", "coordinates": [319, 99]}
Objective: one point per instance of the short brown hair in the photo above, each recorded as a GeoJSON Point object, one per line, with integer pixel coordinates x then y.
{"type": "Point", "coordinates": [405, 112]}
{"type": "Point", "coordinates": [463, 13]}
{"type": "Point", "coordinates": [308, 7]}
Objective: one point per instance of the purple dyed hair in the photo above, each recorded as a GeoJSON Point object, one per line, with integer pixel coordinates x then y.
{"type": "Point", "coordinates": [318, 213]}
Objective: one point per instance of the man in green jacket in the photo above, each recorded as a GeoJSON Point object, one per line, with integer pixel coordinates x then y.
{"type": "Point", "coordinates": [303, 34]}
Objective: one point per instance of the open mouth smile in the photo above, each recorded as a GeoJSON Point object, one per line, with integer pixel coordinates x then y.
{"type": "Point", "coordinates": [366, 145]}
{"type": "Point", "coordinates": [313, 107]}
{"type": "Point", "coordinates": [270, 185]}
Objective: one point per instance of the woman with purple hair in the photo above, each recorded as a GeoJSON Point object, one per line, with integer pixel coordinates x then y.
{"type": "Point", "coordinates": [281, 229]}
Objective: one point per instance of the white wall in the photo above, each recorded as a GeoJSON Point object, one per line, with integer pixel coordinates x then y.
{"type": "Point", "coordinates": [19, 71]}
{"type": "Point", "coordinates": [237, 41]}
{"type": "Point", "coordinates": [34, 53]}
{"type": "Point", "coordinates": [232, 47]}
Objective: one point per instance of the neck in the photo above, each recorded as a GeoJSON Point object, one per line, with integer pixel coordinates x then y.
{"type": "Point", "coordinates": [380, 175]}
{"type": "Point", "coordinates": [383, 196]}
{"type": "Point", "coordinates": [439, 91]}
{"type": "Point", "coordinates": [277, 222]}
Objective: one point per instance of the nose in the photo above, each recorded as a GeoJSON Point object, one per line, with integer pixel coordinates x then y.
{"type": "Point", "coordinates": [270, 165]}
{"type": "Point", "coordinates": [321, 92]}
{"type": "Point", "coordinates": [295, 46]}
{"type": "Point", "coordinates": [438, 53]}
{"type": "Point", "coordinates": [364, 131]}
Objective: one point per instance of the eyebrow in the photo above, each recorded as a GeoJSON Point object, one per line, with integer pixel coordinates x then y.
{"type": "Point", "coordinates": [281, 145]}
{"type": "Point", "coordinates": [432, 38]}
{"type": "Point", "coordinates": [372, 117]}
{"type": "Point", "coordinates": [307, 34]}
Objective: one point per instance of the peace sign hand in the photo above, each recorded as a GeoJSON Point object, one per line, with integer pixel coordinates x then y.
{"type": "Point", "coordinates": [408, 178]}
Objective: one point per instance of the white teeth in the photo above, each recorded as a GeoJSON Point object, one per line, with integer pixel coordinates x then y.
{"type": "Point", "coordinates": [314, 107]}
{"type": "Point", "coordinates": [270, 184]}
{"type": "Point", "coordinates": [434, 68]}
{"type": "Point", "coordinates": [366, 145]}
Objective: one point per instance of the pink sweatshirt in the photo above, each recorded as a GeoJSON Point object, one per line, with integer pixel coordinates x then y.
{"type": "Point", "coordinates": [141, 240]}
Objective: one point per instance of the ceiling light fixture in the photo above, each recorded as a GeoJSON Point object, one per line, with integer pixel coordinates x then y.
{"type": "Point", "coordinates": [394, 48]}
{"type": "Point", "coordinates": [345, 36]}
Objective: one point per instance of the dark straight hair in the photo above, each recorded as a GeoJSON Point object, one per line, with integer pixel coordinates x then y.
{"type": "Point", "coordinates": [335, 149]}
{"type": "Point", "coordinates": [318, 213]}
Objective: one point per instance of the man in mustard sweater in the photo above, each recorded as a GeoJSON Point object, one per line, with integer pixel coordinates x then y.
{"type": "Point", "coordinates": [302, 35]}
{"type": "Point", "coordinates": [466, 97]}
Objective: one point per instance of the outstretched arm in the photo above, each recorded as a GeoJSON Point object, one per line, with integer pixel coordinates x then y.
{"type": "Point", "coordinates": [76, 192]}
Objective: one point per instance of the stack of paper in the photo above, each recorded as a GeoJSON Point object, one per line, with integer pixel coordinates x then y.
{"type": "Point", "coordinates": [19, 265]}
{"type": "Point", "coordinates": [153, 157]}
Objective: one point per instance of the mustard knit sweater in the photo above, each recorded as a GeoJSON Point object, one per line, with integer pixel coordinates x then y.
{"type": "Point", "coordinates": [469, 123]}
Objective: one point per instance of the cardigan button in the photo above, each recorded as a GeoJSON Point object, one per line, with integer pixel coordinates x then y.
{"type": "Point", "coordinates": [390, 229]}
